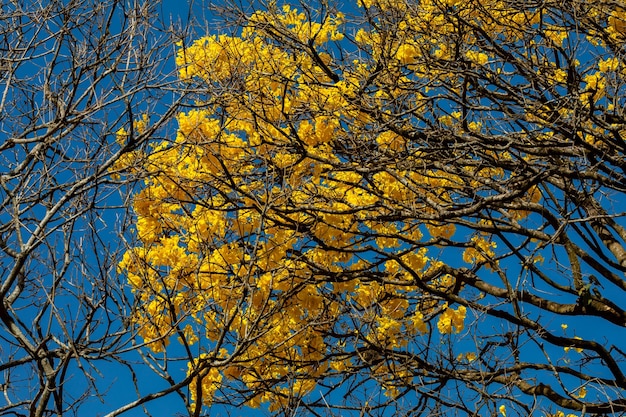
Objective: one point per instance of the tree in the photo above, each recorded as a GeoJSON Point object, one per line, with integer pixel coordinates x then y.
{"type": "Point", "coordinates": [72, 74]}
{"type": "Point", "coordinates": [401, 208]}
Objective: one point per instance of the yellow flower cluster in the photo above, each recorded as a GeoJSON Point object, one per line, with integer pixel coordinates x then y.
{"type": "Point", "coordinates": [208, 379]}
{"type": "Point", "coordinates": [480, 251]}
{"type": "Point", "coordinates": [452, 321]}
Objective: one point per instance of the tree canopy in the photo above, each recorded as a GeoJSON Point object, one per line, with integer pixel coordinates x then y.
{"type": "Point", "coordinates": [397, 208]}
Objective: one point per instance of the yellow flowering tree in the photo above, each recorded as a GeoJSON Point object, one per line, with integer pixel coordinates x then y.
{"type": "Point", "coordinates": [392, 209]}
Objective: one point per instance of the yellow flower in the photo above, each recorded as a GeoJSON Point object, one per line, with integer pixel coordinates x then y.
{"type": "Point", "coordinates": [450, 319]}
{"type": "Point", "coordinates": [502, 410]}
{"type": "Point", "coordinates": [557, 36]}
{"type": "Point", "coordinates": [121, 135]}
{"type": "Point", "coordinates": [607, 65]}
{"type": "Point", "coordinates": [406, 54]}
{"type": "Point", "coordinates": [467, 357]}
{"type": "Point", "coordinates": [478, 57]}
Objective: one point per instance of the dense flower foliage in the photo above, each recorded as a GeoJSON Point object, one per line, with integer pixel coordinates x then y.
{"type": "Point", "coordinates": [345, 201]}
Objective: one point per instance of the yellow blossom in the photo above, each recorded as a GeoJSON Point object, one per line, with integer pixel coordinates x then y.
{"type": "Point", "coordinates": [479, 58]}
